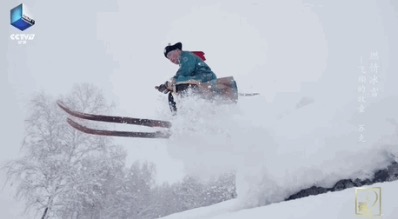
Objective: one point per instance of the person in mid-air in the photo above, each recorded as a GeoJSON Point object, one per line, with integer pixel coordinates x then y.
{"type": "Point", "coordinates": [192, 74]}
{"type": "Point", "coordinates": [192, 70]}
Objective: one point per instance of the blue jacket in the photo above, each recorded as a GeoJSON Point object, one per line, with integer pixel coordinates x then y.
{"type": "Point", "coordinates": [193, 68]}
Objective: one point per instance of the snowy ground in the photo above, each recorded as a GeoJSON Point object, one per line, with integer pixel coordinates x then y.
{"type": "Point", "coordinates": [334, 205]}
{"type": "Point", "coordinates": [278, 153]}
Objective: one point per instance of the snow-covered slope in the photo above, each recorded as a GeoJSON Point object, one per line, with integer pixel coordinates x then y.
{"type": "Point", "coordinates": [277, 155]}
{"type": "Point", "coordinates": [336, 205]}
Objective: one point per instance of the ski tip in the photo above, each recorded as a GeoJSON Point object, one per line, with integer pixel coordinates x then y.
{"type": "Point", "coordinates": [61, 104]}
{"type": "Point", "coordinates": [74, 124]}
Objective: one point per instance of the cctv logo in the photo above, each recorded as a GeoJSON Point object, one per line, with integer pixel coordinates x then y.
{"type": "Point", "coordinates": [22, 38]}
{"type": "Point", "coordinates": [22, 20]}
{"type": "Point", "coordinates": [20, 17]}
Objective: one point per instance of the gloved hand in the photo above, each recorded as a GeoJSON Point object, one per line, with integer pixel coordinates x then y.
{"type": "Point", "coordinates": [164, 88]}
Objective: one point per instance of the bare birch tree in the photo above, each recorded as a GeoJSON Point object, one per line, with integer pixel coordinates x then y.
{"type": "Point", "coordinates": [62, 171]}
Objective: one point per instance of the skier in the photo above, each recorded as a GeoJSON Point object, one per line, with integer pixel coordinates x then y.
{"type": "Point", "coordinates": [192, 74]}
{"type": "Point", "coordinates": [193, 69]}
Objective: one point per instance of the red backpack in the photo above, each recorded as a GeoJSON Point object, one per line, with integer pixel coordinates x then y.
{"type": "Point", "coordinates": [200, 54]}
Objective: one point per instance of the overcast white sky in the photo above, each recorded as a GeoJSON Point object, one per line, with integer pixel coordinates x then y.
{"type": "Point", "coordinates": [271, 47]}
